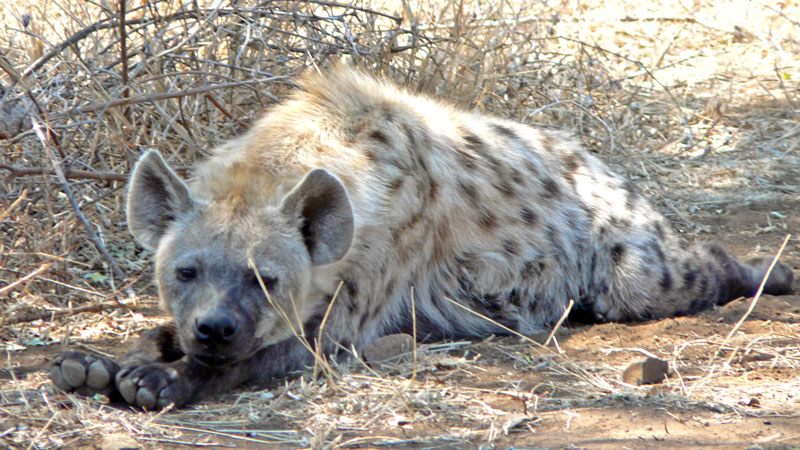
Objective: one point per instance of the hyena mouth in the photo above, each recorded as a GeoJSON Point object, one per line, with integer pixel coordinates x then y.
{"type": "Point", "coordinates": [214, 360]}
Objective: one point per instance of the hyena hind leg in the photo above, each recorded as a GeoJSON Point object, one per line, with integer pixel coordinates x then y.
{"type": "Point", "coordinates": [780, 279]}
{"type": "Point", "coordinates": [731, 279]}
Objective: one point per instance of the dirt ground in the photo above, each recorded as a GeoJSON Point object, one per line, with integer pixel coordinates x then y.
{"type": "Point", "coordinates": [501, 392]}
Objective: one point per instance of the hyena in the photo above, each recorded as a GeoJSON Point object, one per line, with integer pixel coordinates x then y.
{"type": "Point", "coordinates": [353, 194]}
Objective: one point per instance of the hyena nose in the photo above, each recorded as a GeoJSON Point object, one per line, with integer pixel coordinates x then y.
{"type": "Point", "coordinates": [216, 327]}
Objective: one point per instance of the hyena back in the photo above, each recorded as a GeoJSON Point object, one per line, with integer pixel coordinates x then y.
{"type": "Point", "coordinates": [357, 192]}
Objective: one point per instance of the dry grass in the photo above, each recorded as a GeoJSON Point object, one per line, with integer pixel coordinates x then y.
{"type": "Point", "coordinates": [698, 102]}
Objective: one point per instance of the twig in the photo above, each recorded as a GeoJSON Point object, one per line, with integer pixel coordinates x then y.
{"type": "Point", "coordinates": [123, 50]}
{"type": "Point", "coordinates": [14, 205]}
{"type": "Point", "coordinates": [560, 321]}
{"type": "Point", "coordinates": [44, 315]}
{"type": "Point", "coordinates": [162, 96]}
{"type": "Point", "coordinates": [73, 174]}
{"type": "Point", "coordinates": [117, 273]}
{"type": "Point", "coordinates": [6, 289]}
{"type": "Point", "coordinates": [215, 101]}
{"type": "Point", "coordinates": [24, 171]}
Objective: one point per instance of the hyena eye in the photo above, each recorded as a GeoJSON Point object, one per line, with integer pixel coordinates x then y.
{"type": "Point", "coordinates": [186, 273]}
{"type": "Point", "coordinates": [270, 282]}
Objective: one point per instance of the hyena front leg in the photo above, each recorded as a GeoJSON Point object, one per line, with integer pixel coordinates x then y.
{"type": "Point", "coordinates": [89, 374]}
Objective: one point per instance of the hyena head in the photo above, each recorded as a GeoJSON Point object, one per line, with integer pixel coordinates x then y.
{"type": "Point", "coordinates": [214, 262]}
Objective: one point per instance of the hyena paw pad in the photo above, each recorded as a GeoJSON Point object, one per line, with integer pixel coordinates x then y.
{"type": "Point", "coordinates": [84, 374]}
{"type": "Point", "coordinates": [151, 387]}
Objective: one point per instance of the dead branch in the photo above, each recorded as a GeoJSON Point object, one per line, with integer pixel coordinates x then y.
{"type": "Point", "coordinates": [70, 174]}
{"type": "Point", "coordinates": [6, 289]}
{"type": "Point", "coordinates": [163, 96]}
{"type": "Point", "coordinates": [44, 315]}
{"type": "Point", "coordinates": [117, 273]}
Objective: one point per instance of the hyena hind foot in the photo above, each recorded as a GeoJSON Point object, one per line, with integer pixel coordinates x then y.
{"type": "Point", "coordinates": [84, 374]}
{"type": "Point", "coordinates": [780, 279]}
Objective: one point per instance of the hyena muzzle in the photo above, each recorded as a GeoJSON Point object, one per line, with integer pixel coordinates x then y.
{"type": "Point", "coordinates": [356, 192]}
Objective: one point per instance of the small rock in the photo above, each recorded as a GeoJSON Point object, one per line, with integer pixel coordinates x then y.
{"type": "Point", "coordinates": [649, 371]}
{"type": "Point", "coordinates": [388, 347]}
{"type": "Point", "coordinates": [119, 441]}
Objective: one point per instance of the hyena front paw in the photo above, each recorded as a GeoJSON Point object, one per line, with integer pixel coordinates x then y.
{"type": "Point", "coordinates": [84, 374]}
{"type": "Point", "coordinates": [152, 386]}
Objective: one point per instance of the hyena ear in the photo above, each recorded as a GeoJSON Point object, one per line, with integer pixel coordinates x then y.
{"type": "Point", "coordinates": [320, 201]}
{"type": "Point", "coordinates": [156, 196]}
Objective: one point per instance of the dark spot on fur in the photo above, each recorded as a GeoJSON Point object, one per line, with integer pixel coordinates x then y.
{"type": "Point", "coordinates": [504, 187]}
{"type": "Point", "coordinates": [487, 219]}
{"type": "Point", "coordinates": [380, 136]}
{"type": "Point", "coordinates": [551, 189]}
{"type": "Point", "coordinates": [666, 280]}
{"type": "Point", "coordinates": [492, 303]}
{"type": "Point", "coordinates": [572, 161]}
{"type": "Point", "coordinates": [533, 268]}
{"type": "Point", "coordinates": [351, 288]}
{"type": "Point", "coordinates": [515, 298]}
{"type": "Point", "coordinates": [434, 189]}
{"type": "Point", "coordinates": [658, 251]}
{"type": "Point", "coordinates": [516, 176]}
{"type": "Point", "coordinates": [312, 324]}
{"type": "Point", "coordinates": [547, 141]}
{"type": "Point", "coordinates": [467, 161]}
{"type": "Point", "coordinates": [510, 247]}
{"type": "Point", "coordinates": [617, 252]}
{"type": "Point", "coordinates": [659, 230]}
{"type": "Point", "coordinates": [410, 137]}
{"type": "Point", "coordinates": [528, 216]}
{"type": "Point", "coordinates": [370, 155]}
{"type": "Point", "coordinates": [505, 131]}
{"type": "Point", "coordinates": [632, 194]}
{"type": "Point", "coordinates": [362, 321]}
{"type": "Point", "coordinates": [395, 184]}
{"type": "Point", "coordinates": [703, 288]}
{"type": "Point", "coordinates": [474, 143]}
{"type": "Point", "coordinates": [531, 167]}
{"type": "Point", "coordinates": [497, 166]}
{"type": "Point", "coordinates": [469, 191]}
{"type": "Point", "coordinates": [689, 277]}
{"type": "Point", "coordinates": [422, 165]}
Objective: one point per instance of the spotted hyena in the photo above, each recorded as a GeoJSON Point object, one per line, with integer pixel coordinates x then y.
{"type": "Point", "coordinates": [356, 190]}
